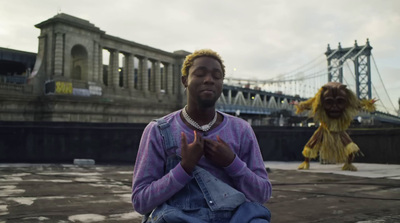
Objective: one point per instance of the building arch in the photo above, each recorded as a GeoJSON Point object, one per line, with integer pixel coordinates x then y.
{"type": "Point", "coordinates": [79, 63]}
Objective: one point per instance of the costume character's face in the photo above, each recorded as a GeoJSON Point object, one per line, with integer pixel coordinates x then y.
{"type": "Point", "coordinates": [204, 81]}
{"type": "Point", "coordinates": [334, 100]}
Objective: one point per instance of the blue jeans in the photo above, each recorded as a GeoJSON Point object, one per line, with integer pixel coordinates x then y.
{"type": "Point", "coordinates": [206, 199]}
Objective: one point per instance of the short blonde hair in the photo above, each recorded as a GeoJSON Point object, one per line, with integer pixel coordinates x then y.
{"type": "Point", "coordinates": [201, 53]}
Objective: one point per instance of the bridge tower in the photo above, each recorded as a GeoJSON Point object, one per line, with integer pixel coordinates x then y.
{"type": "Point", "coordinates": [360, 55]}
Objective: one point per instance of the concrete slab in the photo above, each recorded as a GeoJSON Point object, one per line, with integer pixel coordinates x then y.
{"type": "Point", "coordinates": [369, 170]}
{"type": "Point", "coordinates": [101, 193]}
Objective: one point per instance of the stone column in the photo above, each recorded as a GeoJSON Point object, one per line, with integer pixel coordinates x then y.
{"type": "Point", "coordinates": [129, 81]}
{"type": "Point", "coordinates": [116, 69]}
{"type": "Point", "coordinates": [177, 73]}
{"type": "Point", "coordinates": [169, 78]}
{"type": "Point", "coordinates": [124, 71]}
{"type": "Point", "coordinates": [100, 65]}
{"type": "Point", "coordinates": [139, 79]}
{"type": "Point", "coordinates": [151, 76]}
{"type": "Point", "coordinates": [157, 76]}
{"type": "Point", "coordinates": [58, 54]}
{"type": "Point", "coordinates": [144, 83]}
{"type": "Point", "coordinates": [113, 78]}
{"type": "Point", "coordinates": [163, 84]}
{"type": "Point", "coordinates": [95, 73]}
{"type": "Point", "coordinates": [110, 69]}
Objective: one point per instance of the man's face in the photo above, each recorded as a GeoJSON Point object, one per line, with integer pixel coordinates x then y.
{"type": "Point", "coordinates": [204, 81]}
{"type": "Point", "coordinates": [334, 102]}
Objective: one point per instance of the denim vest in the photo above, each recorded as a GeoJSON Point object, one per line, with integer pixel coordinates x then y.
{"type": "Point", "coordinates": [204, 199]}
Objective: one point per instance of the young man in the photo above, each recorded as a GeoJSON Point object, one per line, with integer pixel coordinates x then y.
{"type": "Point", "coordinates": [200, 165]}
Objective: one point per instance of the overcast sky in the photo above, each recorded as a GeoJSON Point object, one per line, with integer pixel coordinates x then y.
{"type": "Point", "coordinates": [261, 39]}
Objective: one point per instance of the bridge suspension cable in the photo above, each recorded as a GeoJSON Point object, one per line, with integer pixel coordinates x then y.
{"type": "Point", "coordinates": [341, 59]}
{"type": "Point", "coordinates": [379, 75]}
{"type": "Point", "coordinates": [312, 75]}
{"type": "Point", "coordinates": [333, 53]}
{"type": "Point", "coordinates": [330, 55]}
{"type": "Point", "coordinates": [298, 69]}
{"type": "Point", "coordinates": [355, 56]}
{"type": "Point", "coordinates": [373, 86]}
{"type": "Point", "coordinates": [351, 50]}
{"type": "Point", "coordinates": [263, 82]}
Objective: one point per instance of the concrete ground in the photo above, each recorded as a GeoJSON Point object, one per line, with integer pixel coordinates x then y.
{"type": "Point", "coordinates": [101, 193]}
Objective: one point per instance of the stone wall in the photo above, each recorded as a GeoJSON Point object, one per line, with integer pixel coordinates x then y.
{"type": "Point", "coordinates": [64, 108]}
{"type": "Point", "coordinates": [379, 145]}
{"type": "Point", "coordinates": [61, 142]}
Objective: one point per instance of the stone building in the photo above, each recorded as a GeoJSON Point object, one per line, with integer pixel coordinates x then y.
{"type": "Point", "coordinates": [71, 82]}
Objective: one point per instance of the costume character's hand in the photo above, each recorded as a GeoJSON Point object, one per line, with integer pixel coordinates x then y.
{"type": "Point", "coordinates": [191, 153]}
{"type": "Point", "coordinates": [218, 152]}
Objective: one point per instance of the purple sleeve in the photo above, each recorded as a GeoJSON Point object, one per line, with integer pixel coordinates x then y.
{"type": "Point", "coordinates": [248, 170]}
{"type": "Point", "coordinates": [150, 187]}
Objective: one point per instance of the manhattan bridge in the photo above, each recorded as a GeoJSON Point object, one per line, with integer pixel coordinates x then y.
{"type": "Point", "coordinates": [353, 66]}
{"type": "Point", "coordinates": [82, 74]}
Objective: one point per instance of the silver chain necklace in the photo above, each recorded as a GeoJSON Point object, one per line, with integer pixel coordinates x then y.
{"type": "Point", "coordinates": [203, 128]}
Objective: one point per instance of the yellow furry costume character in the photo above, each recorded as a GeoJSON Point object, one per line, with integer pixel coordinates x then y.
{"type": "Point", "coordinates": [334, 106]}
